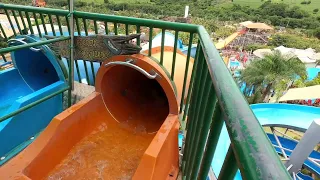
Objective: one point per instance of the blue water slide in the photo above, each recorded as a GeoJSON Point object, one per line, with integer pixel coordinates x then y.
{"type": "Point", "coordinates": [297, 117]}
{"type": "Point", "coordinates": [292, 116]}
{"type": "Point", "coordinates": [35, 75]}
{"type": "Point", "coordinates": [290, 145]}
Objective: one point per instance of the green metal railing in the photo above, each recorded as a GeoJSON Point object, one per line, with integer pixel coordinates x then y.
{"type": "Point", "coordinates": [213, 97]}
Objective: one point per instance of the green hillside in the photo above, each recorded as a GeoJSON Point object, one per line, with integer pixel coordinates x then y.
{"type": "Point", "coordinates": [308, 7]}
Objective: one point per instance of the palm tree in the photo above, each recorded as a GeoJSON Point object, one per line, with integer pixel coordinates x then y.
{"type": "Point", "coordinates": [269, 72]}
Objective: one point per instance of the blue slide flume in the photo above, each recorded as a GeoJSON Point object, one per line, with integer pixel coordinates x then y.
{"type": "Point", "coordinates": [291, 116]}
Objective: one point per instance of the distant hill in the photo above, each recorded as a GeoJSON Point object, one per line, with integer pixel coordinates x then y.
{"type": "Point", "coordinates": [314, 4]}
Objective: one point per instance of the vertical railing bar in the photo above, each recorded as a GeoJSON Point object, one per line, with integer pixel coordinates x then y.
{"type": "Point", "coordinates": [76, 61]}
{"type": "Point", "coordinates": [106, 27]}
{"type": "Point", "coordinates": [78, 71]}
{"type": "Point", "coordinates": [84, 20]}
{"type": "Point", "coordinates": [4, 57]}
{"type": "Point", "coordinates": [78, 26]}
{"type": "Point", "coordinates": [174, 54]}
{"type": "Point", "coordinates": [194, 101]}
{"type": "Point", "coordinates": [150, 41]}
{"type": "Point", "coordinates": [115, 27]}
{"type": "Point", "coordinates": [37, 24]}
{"type": "Point", "coordinates": [16, 20]}
{"type": "Point", "coordinates": [68, 63]}
{"type": "Point", "coordinates": [127, 29]}
{"type": "Point", "coordinates": [195, 117]}
{"type": "Point", "coordinates": [52, 26]}
{"type": "Point", "coordinates": [215, 130]}
{"type": "Point", "coordinates": [186, 72]}
{"type": "Point", "coordinates": [4, 34]}
{"type": "Point", "coordinates": [191, 83]}
{"type": "Point", "coordinates": [92, 71]}
{"type": "Point", "coordinates": [11, 24]}
{"type": "Point", "coordinates": [68, 25]}
{"type": "Point", "coordinates": [95, 27]}
{"type": "Point", "coordinates": [190, 124]}
{"type": "Point", "coordinates": [59, 24]}
{"type": "Point", "coordinates": [194, 95]}
{"type": "Point", "coordinates": [199, 128]}
{"type": "Point", "coordinates": [138, 32]}
{"type": "Point", "coordinates": [29, 22]}
{"type": "Point", "coordinates": [43, 24]}
{"type": "Point", "coordinates": [229, 167]}
{"type": "Point", "coordinates": [85, 26]}
{"type": "Point", "coordinates": [86, 71]}
{"type": "Point", "coordinates": [162, 45]}
{"type": "Point", "coordinates": [211, 104]}
{"type": "Point", "coordinates": [72, 48]}
{"type": "Point", "coordinates": [22, 20]}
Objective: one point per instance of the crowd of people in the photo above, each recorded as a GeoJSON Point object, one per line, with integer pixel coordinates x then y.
{"type": "Point", "coordinates": [308, 102]}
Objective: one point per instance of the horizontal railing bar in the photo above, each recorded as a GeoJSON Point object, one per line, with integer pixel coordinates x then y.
{"type": "Point", "coordinates": [34, 9]}
{"type": "Point", "coordinates": [249, 141]}
{"type": "Point", "coordinates": [32, 104]}
{"type": "Point", "coordinates": [139, 21]}
{"type": "Point", "coordinates": [14, 48]}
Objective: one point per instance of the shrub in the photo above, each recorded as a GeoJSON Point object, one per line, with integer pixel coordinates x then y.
{"type": "Point", "coordinates": [253, 47]}
{"type": "Point", "coordinates": [293, 41]}
{"type": "Point", "coordinates": [316, 33]}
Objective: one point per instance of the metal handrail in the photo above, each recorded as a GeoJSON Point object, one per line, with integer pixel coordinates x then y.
{"type": "Point", "coordinates": [251, 145]}
{"type": "Point", "coordinates": [34, 9]}
{"type": "Point", "coordinates": [213, 96]}
{"type": "Point", "coordinates": [12, 41]}
{"type": "Point", "coordinates": [129, 64]}
{"type": "Point", "coordinates": [24, 108]}
{"type": "Point", "coordinates": [39, 43]}
{"type": "Point", "coordinates": [139, 21]}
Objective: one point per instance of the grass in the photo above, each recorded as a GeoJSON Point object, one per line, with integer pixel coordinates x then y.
{"type": "Point", "coordinates": [252, 3]}
{"type": "Point", "coordinates": [117, 1]}
{"type": "Point", "coordinates": [308, 7]}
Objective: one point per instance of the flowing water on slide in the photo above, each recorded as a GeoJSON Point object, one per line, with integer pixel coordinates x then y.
{"type": "Point", "coordinates": [107, 153]}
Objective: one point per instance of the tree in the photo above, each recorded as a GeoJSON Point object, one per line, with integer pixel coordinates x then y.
{"type": "Point", "coordinates": [316, 33]}
{"type": "Point", "coordinates": [271, 72]}
{"type": "Point", "coordinates": [315, 11]}
{"type": "Point", "coordinates": [299, 83]}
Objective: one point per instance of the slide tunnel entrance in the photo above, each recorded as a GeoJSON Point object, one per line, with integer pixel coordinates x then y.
{"type": "Point", "coordinates": [126, 129]}
{"type": "Point", "coordinates": [136, 102]}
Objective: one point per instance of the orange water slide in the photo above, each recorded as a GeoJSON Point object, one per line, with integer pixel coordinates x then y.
{"type": "Point", "coordinates": [126, 129]}
{"type": "Point", "coordinates": [229, 39]}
